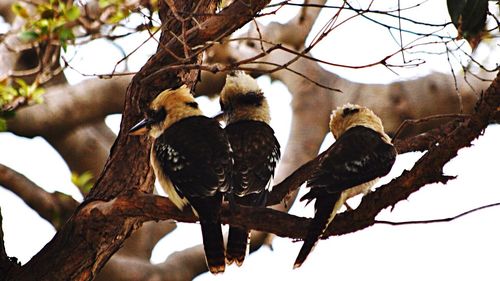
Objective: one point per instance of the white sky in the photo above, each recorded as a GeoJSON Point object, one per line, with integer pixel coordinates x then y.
{"type": "Point", "coordinates": [465, 249]}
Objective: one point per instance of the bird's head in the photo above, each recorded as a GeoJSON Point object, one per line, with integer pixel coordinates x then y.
{"type": "Point", "coordinates": [350, 115]}
{"type": "Point", "coordinates": [167, 108]}
{"type": "Point", "coordinates": [241, 98]}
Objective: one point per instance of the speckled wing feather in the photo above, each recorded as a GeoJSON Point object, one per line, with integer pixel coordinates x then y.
{"type": "Point", "coordinates": [256, 152]}
{"type": "Point", "coordinates": [358, 156]}
{"type": "Point", "coordinates": [198, 164]}
{"type": "Point", "coordinates": [195, 154]}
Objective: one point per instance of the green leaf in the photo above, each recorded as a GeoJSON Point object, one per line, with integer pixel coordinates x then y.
{"type": "Point", "coordinates": [36, 96]}
{"type": "Point", "coordinates": [44, 25]}
{"type": "Point", "coordinates": [28, 36]}
{"type": "Point", "coordinates": [22, 83]}
{"type": "Point", "coordinates": [73, 13]}
{"type": "Point", "coordinates": [104, 3]}
{"type": "Point", "coordinates": [3, 125]}
{"type": "Point", "coordinates": [64, 46]}
{"type": "Point", "coordinates": [7, 94]}
{"type": "Point", "coordinates": [8, 114]}
{"type": "Point", "coordinates": [65, 34]}
{"type": "Point", "coordinates": [83, 181]}
{"type": "Point", "coordinates": [19, 10]}
{"type": "Point", "coordinates": [118, 16]}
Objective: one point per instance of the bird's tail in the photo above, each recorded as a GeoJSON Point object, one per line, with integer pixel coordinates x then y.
{"type": "Point", "coordinates": [213, 244]}
{"type": "Point", "coordinates": [237, 245]}
{"type": "Point", "coordinates": [326, 208]}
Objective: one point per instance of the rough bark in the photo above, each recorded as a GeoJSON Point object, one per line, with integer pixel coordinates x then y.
{"type": "Point", "coordinates": [428, 169]}
{"type": "Point", "coordinates": [6, 264]}
{"type": "Point", "coordinates": [89, 238]}
{"type": "Point", "coordinates": [90, 224]}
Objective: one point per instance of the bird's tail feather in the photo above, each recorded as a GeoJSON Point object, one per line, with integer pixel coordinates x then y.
{"type": "Point", "coordinates": [237, 245]}
{"type": "Point", "coordinates": [213, 244]}
{"type": "Point", "coordinates": [325, 211]}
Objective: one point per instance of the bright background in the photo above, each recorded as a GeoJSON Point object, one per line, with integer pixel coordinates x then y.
{"type": "Point", "coordinates": [464, 249]}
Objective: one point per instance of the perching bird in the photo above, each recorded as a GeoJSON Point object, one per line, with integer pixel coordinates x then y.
{"type": "Point", "coordinates": [255, 151]}
{"type": "Point", "coordinates": [361, 154]}
{"type": "Point", "coordinates": [191, 158]}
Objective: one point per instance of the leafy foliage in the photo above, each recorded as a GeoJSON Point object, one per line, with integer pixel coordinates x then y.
{"type": "Point", "coordinates": [53, 21]}
{"type": "Point", "coordinates": [83, 181]}
{"type": "Point", "coordinates": [11, 97]}
{"type": "Point", "coordinates": [3, 125]}
{"type": "Point", "coordinates": [120, 8]}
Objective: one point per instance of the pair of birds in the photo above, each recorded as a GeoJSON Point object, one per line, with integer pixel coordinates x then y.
{"type": "Point", "coordinates": [198, 163]}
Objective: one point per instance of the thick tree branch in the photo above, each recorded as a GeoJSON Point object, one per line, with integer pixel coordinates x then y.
{"type": "Point", "coordinates": [3, 254]}
{"type": "Point", "coordinates": [84, 148]}
{"type": "Point", "coordinates": [214, 28]}
{"type": "Point", "coordinates": [140, 245]}
{"type": "Point", "coordinates": [180, 266]}
{"type": "Point", "coordinates": [68, 106]}
{"type": "Point", "coordinates": [55, 207]}
{"type": "Point", "coordinates": [427, 170]}
{"type": "Point", "coordinates": [425, 140]}
{"type": "Point", "coordinates": [86, 244]}
{"type": "Point", "coordinates": [6, 10]}
{"type": "Point", "coordinates": [304, 140]}
{"type": "Point", "coordinates": [6, 263]}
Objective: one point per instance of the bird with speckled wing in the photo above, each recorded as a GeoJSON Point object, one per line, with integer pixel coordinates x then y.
{"type": "Point", "coordinates": [361, 154]}
{"type": "Point", "coordinates": [255, 151]}
{"type": "Point", "coordinates": [191, 158]}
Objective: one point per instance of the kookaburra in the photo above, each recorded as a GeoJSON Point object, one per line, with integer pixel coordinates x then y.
{"type": "Point", "coordinates": [191, 158]}
{"type": "Point", "coordinates": [361, 154]}
{"type": "Point", "coordinates": [255, 151]}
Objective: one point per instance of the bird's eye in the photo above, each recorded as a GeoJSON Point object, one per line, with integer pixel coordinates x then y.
{"type": "Point", "coordinates": [192, 104]}
{"type": "Point", "coordinates": [250, 99]}
{"type": "Point", "coordinates": [157, 115]}
{"type": "Point", "coordinates": [349, 111]}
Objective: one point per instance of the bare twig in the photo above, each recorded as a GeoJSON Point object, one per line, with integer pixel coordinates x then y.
{"type": "Point", "coordinates": [407, 122]}
{"type": "Point", "coordinates": [438, 220]}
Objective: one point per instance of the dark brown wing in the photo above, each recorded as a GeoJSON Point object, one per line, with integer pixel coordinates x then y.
{"type": "Point", "coordinates": [358, 156]}
{"type": "Point", "coordinates": [256, 152]}
{"type": "Point", "coordinates": [195, 154]}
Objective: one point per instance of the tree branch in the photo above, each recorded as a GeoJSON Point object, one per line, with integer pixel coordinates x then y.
{"type": "Point", "coordinates": [6, 10]}
{"type": "Point", "coordinates": [68, 106]}
{"type": "Point", "coordinates": [141, 243]}
{"type": "Point", "coordinates": [86, 242]}
{"type": "Point", "coordinates": [6, 264]}
{"type": "Point", "coordinates": [427, 170]}
{"type": "Point", "coordinates": [55, 207]}
{"type": "Point", "coordinates": [84, 148]}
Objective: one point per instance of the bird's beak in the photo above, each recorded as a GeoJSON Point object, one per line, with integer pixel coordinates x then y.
{"type": "Point", "coordinates": [219, 116]}
{"type": "Point", "coordinates": [141, 128]}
